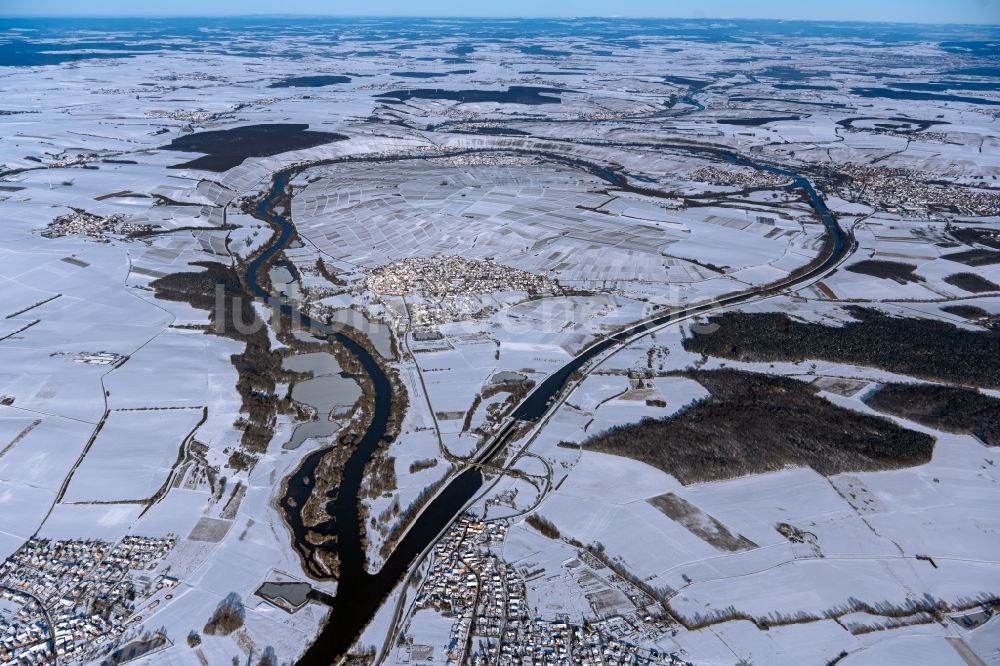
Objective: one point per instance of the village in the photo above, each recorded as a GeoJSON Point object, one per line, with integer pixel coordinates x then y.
{"type": "Point", "coordinates": [68, 601]}
{"type": "Point", "coordinates": [903, 191]}
{"type": "Point", "coordinates": [742, 177]}
{"type": "Point", "coordinates": [82, 223]}
{"type": "Point", "coordinates": [449, 288]}
{"type": "Point", "coordinates": [442, 276]}
{"type": "Point", "coordinates": [487, 598]}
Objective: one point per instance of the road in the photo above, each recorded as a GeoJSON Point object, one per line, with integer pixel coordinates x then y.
{"type": "Point", "coordinates": [544, 398]}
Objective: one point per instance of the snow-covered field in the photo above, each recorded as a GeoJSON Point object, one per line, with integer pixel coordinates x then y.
{"type": "Point", "coordinates": [133, 454]}
{"type": "Point", "coordinates": [120, 414]}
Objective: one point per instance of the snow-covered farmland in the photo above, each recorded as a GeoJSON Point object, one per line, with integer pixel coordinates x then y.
{"type": "Point", "coordinates": [133, 455]}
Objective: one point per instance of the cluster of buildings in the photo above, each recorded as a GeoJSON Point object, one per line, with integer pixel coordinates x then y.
{"type": "Point", "coordinates": [72, 160]}
{"type": "Point", "coordinates": [608, 115]}
{"type": "Point", "coordinates": [82, 223]}
{"type": "Point", "coordinates": [491, 158]}
{"type": "Point", "coordinates": [900, 190]}
{"type": "Point", "coordinates": [25, 633]}
{"type": "Point", "coordinates": [100, 358]}
{"type": "Point", "coordinates": [131, 92]}
{"type": "Point", "coordinates": [450, 288]}
{"type": "Point", "coordinates": [75, 598]}
{"type": "Point", "coordinates": [902, 130]}
{"type": "Point", "coordinates": [560, 643]}
{"type": "Point", "coordinates": [470, 583]}
{"type": "Point", "coordinates": [443, 276]}
{"type": "Point", "coordinates": [191, 76]}
{"type": "Point", "coordinates": [425, 315]}
{"type": "Point", "coordinates": [193, 116]}
{"type": "Point", "coordinates": [492, 623]}
{"type": "Point", "coordinates": [460, 582]}
{"type": "Point", "coordinates": [738, 177]}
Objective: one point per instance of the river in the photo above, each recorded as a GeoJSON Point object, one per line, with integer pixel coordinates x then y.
{"type": "Point", "coordinates": [359, 593]}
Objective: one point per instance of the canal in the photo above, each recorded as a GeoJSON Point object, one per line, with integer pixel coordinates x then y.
{"type": "Point", "coordinates": [360, 593]}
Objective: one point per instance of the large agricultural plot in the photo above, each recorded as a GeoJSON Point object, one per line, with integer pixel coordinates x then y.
{"type": "Point", "coordinates": [799, 469]}
{"type": "Point", "coordinates": [133, 455]}
{"type": "Point", "coordinates": [542, 218]}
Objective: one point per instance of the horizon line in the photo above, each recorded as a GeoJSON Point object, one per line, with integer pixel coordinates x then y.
{"type": "Point", "coordinates": [490, 18]}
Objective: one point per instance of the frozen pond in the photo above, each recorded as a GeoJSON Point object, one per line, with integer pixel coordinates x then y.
{"type": "Point", "coordinates": [327, 392]}
{"type": "Point", "coordinates": [507, 377]}
{"type": "Point", "coordinates": [284, 282]}
{"type": "Point", "coordinates": [378, 333]}
{"type": "Point", "coordinates": [293, 595]}
{"type": "Point", "coordinates": [319, 363]}
{"type": "Point", "coordinates": [280, 275]}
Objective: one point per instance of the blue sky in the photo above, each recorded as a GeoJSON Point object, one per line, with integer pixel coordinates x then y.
{"type": "Point", "coordinates": [921, 11]}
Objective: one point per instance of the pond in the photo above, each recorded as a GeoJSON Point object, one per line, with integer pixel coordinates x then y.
{"type": "Point", "coordinates": [329, 392]}
{"type": "Point", "coordinates": [376, 332]}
